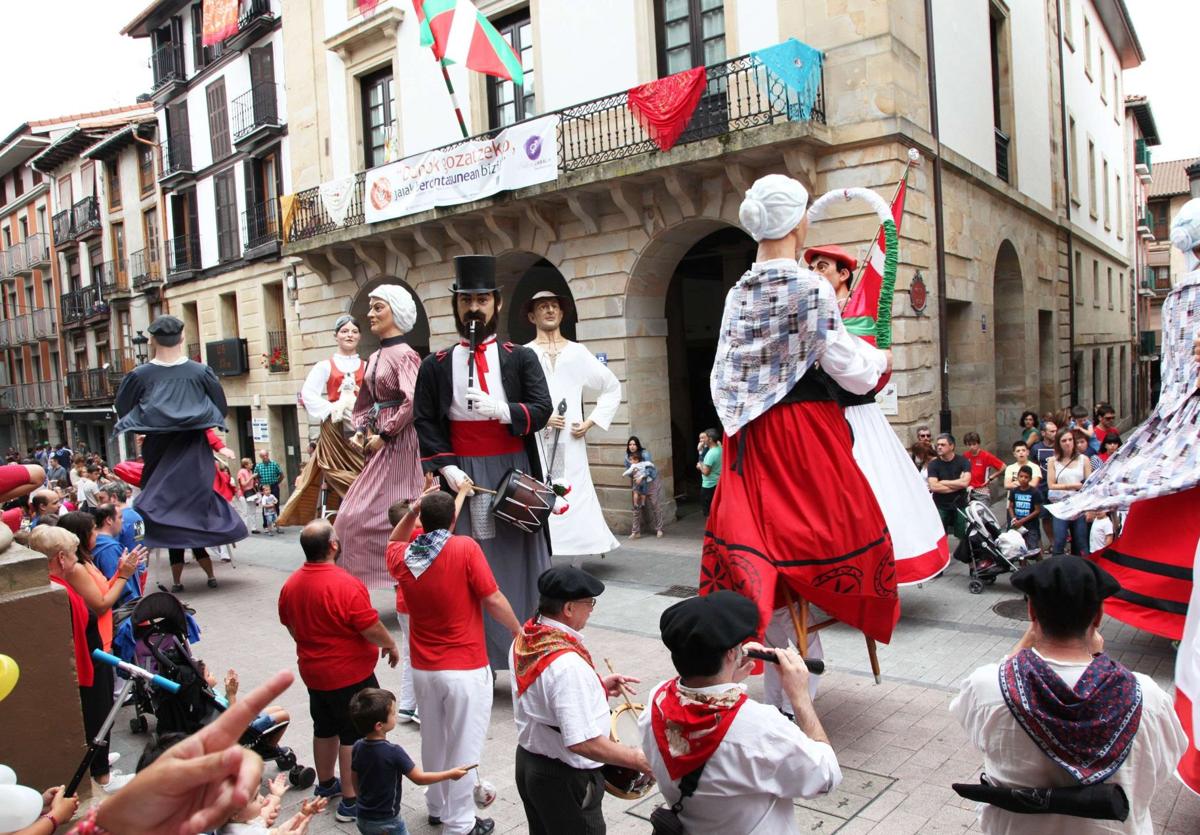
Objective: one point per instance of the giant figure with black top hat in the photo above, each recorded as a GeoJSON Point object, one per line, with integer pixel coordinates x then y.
{"type": "Point", "coordinates": [173, 401]}
{"type": "Point", "coordinates": [478, 407]}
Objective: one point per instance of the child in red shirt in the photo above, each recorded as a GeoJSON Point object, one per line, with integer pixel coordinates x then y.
{"type": "Point", "coordinates": [981, 461]}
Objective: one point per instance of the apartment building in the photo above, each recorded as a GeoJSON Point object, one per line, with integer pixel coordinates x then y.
{"type": "Point", "coordinates": [986, 318]}
{"type": "Point", "coordinates": [1141, 134]}
{"type": "Point", "coordinates": [31, 387]}
{"type": "Point", "coordinates": [222, 116]}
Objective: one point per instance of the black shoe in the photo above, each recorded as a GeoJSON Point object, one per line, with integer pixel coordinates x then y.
{"type": "Point", "coordinates": [212, 582]}
{"type": "Point", "coordinates": [483, 826]}
{"type": "Point", "coordinates": [434, 820]}
{"type": "Point", "coordinates": [177, 588]}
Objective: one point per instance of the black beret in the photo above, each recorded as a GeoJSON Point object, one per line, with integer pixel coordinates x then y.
{"type": "Point", "coordinates": [165, 326]}
{"type": "Point", "coordinates": [700, 627]}
{"type": "Point", "coordinates": [567, 583]}
{"type": "Point", "coordinates": [1067, 580]}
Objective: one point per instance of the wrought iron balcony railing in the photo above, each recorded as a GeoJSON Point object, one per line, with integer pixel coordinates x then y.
{"type": "Point", "coordinates": [85, 217]}
{"type": "Point", "coordinates": [144, 268]}
{"type": "Point", "coordinates": [1002, 142]}
{"type": "Point", "coordinates": [739, 93]}
{"type": "Point", "coordinates": [256, 108]}
{"type": "Point", "coordinates": [36, 250]}
{"type": "Point", "coordinates": [6, 262]}
{"type": "Point", "coordinates": [166, 62]}
{"type": "Point", "coordinates": [177, 156]}
{"type": "Point", "coordinates": [261, 223]}
{"type": "Point", "coordinates": [183, 254]}
{"type": "Point", "coordinates": [114, 280]}
{"type": "Point", "coordinates": [62, 227]}
{"type": "Point", "coordinates": [44, 322]}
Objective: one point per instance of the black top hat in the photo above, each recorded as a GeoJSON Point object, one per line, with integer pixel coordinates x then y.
{"type": "Point", "coordinates": [474, 274]}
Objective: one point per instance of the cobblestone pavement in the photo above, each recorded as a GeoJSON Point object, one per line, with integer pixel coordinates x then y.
{"type": "Point", "coordinates": [898, 746]}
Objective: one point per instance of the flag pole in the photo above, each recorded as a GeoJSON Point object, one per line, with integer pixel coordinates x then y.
{"type": "Point", "coordinates": [462, 124]}
{"type": "Point", "coordinates": [871, 249]}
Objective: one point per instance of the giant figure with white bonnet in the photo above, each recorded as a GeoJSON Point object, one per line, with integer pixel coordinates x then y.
{"type": "Point", "coordinates": [383, 420]}
{"type": "Point", "coordinates": [1156, 476]}
{"type": "Point", "coordinates": [329, 393]}
{"type": "Point", "coordinates": [793, 514]}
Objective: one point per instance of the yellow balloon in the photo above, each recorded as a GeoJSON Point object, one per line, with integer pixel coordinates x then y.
{"type": "Point", "coordinates": [9, 673]}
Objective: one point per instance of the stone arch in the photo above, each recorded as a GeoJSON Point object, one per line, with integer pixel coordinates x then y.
{"type": "Point", "coordinates": [418, 337]}
{"type": "Point", "coordinates": [673, 303]}
{"type": "Point", "coordinates": [520, 274]}
{"type": "Point", "coordinates": [1008, 345]}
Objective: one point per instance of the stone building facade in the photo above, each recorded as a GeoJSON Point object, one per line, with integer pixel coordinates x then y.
{"type": "Point", "coordinates": [647, 242]}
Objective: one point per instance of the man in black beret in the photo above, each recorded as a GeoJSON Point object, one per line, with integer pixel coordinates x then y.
{"type": "Point", "coordinates": [560, 704]}
{"type": "Point", "coordinates": [1059, 712]}
{"type": "Point", "coordinates": [727, 762]}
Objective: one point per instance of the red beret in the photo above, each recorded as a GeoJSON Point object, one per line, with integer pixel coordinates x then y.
{"type": "Point", "coordinates": [834, 253]}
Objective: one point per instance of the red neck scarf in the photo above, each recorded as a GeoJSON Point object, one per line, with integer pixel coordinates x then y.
{"type": "Point", "coordinates": [538, 645]}
{"type": "Point", "coordinates": [688, 726]}
{"type": "Point", "coordinates": [481, 363]}
{"type": "Point", "coordinates": [79, 619]}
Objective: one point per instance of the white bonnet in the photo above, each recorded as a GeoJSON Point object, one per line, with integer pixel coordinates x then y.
{"type": "Point", "coordinates": [404, 309]}
{"type": "Point", "coordinates": [1185, 229]}
{"type": "Point", "coordinates": [773, 207]}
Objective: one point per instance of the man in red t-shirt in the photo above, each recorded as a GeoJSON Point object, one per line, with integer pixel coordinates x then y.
{"type": "Point", "coordinates": [338, 637]}
{"type": "Point", "coordinates": [981, 461]}
{"type": "Point", "coordinates": [447, 584]}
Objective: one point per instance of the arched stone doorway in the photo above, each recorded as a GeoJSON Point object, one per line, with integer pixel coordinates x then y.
{"type": "Point", "coordinates": [418, 337]}
{"type": "Point", "coordinates": [1008, 347]}
{"type": "Point", "coordinates": [519, 275]}
{"type": "Point", "coordinates": [674, 301]}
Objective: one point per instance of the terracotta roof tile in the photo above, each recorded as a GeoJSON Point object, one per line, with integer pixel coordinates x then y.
{"type": "Point", "coordinates": [95, 114]}
{"type": "Point", "coordinates": [1168, 177]}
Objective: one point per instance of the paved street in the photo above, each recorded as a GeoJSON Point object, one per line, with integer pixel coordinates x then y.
{"type": "Point", "coordinates": [897, 744]}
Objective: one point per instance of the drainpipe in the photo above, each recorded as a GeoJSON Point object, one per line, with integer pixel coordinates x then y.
{"type": "Point", "coordinates": [944, 416]}
{"type": "Point", "coordinates": [1062, 115]}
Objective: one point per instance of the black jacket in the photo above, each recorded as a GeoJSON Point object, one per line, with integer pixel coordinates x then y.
{"type": "Point", "coordinates": [525, 391]}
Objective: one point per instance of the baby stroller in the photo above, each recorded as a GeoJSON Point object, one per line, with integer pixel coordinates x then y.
{"type": "Point", "coordinates": [984, 548]}
{"type": "Point", "coordinates": [160, 633]}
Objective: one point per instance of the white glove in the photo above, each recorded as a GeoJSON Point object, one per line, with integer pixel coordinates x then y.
{"type": "Point", "coordinates": [487, 405]}
{"type": "Point", "coordinates": [454, 477]}
{"type": "Point", "coordinates": [343, 406]}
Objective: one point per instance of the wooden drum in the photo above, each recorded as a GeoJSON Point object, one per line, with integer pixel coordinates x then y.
{"type": "Point", "coordinates": [626, 783]}
{"type": "Point", "coordinates": [522, 501]}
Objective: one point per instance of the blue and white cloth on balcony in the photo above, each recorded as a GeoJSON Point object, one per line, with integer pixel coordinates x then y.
{"type": "Point", "coordinates": [793, 77]}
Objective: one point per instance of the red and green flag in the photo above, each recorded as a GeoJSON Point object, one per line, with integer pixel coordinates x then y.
{"type": "Point", "coordinates": [459, 33]}
{"type": "Point", "coordinates": [862, 308]}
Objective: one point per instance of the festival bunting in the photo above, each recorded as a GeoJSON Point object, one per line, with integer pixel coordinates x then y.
{"type": "Point", "coordinates": [220, 20]}
{"type": "Point", "coordinates": [664, 107]}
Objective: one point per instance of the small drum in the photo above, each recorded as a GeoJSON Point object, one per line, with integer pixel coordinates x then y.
{"type": "Point", "coordinates": [523, 501]}
{"type": "Point", "coordinates": [626, 783]}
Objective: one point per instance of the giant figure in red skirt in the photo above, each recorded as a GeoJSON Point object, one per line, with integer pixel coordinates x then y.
{"type": "Point", "coordinates": [791, 505]}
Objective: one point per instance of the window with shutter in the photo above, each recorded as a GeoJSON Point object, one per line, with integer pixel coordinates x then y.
{"type": "Point", "coordinates": [227, 226]}
{"type": "Point", "coordinates": [218, 119]}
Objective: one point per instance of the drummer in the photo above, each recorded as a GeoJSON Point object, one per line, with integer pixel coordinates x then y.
{"type": "Point", "coordinates": [561, 711]}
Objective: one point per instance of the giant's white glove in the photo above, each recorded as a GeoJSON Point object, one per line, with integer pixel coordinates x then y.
{"type": "Point", "coordinates": [454, 477]}
{"type": "Point", "coordinates": [488, 406]}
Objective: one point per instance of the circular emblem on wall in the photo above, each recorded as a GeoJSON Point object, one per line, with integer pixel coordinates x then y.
{"type": "Point", "coordinates": [917, 294]}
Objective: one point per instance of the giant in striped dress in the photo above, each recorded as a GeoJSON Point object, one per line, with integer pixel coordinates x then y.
{"type": "Point", "coordinates": [392, 473]}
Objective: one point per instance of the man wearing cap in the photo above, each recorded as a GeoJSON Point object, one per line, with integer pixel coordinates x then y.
{"type": "Point", "coordinates": [478, 408]}
{"type": "Point", "coordinates": [328, 396]}
{"type": "Point", "coordinates": [570, 368]}
{"type": "Point", "coordinates": [560, 705]}
{"type": "Point", "coordinates": [1059, 712]}
{"type": "Point", "coordinates": [173, 401]}
{"type": "Point", "coordinates": [726, 762]}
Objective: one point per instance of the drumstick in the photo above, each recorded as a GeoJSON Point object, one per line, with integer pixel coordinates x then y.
{"type": "Point", "coordinates": [471, 364]}
{"type": "Point", "coordinates": [624, 695]}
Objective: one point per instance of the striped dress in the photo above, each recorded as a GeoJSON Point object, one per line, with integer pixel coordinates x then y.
{"type": "Point", "coordinates": [391, 474]}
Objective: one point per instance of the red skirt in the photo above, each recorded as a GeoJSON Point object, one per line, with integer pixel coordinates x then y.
{"type": "Point", "coordinates": [1152, 560]}
{"type": "Point", "coordinates": [792, 507]}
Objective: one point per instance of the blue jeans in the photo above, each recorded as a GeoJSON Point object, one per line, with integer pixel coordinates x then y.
{"type": "Point", "coordinates": [1079, 531]}
{"type": "Point", "coordinates": [391, 826]}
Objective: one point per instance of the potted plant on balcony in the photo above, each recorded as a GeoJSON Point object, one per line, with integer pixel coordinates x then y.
{"type": "Point", "coordinates": [277, 359]}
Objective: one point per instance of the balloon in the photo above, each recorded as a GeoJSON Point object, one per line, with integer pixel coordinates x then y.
{"type": "Point", "coordinates": [8, 777]}
{"type": "Point", "coordinates": [9, 673]}
{"type": "Point", "coordinates": [19, 807]}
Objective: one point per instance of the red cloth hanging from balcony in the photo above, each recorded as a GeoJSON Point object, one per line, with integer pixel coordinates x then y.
{"type": "Point", "coordinates": [664, 107]}
{"type": "Point", "coordinates": [220, 20]}
{"type": "Point", "coordinates": [367, 6]}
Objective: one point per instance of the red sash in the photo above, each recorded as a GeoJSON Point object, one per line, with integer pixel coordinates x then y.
{"type": "Point", "coordinates": [538, 645]}
{"type": "Point", "coordinates": [79, 618]}
{"type": "Point", "coordinates": [688, 728]}
{"type": "Point", "coordinates": [477, 438]}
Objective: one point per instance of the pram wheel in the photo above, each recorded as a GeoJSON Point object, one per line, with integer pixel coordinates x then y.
{"type": "Point", "coordinates": [302, 776]}
{"type": "Point", "coordinates": [138, 724]}
{"type": "Point", "coordinates": [287, 760]}
{"type": "Point", "coordinates": [975, 586]}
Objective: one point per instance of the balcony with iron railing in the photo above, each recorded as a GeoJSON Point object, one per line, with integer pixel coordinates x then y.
{"type": "Point", "coordinates": [91, 386]}
{"type": "Point", "coordinates": [261, 223]}
{"type": "Point", "coordinates": [61, 224]}
{"type": "Point", "coordinates": [85, 217]}
{"type": "Point", "coordinates": [183, 256]}
{"type": "Point", "coordinates": [17, 263]}
{"type": "Point", "coordinates": [80, 305]}
{"type": "Point", "coordinates": [1002, 166]}
{"type": "Point", "coordinates": [255, 20]}
{"type": "Point", "coordinates": [739, 94]}
{"type": "Point", "coordinates": [166, 64]}
{"type": "Point", "coordinates": [1148, 344]}
{"type": "Point", "coordinates": [36, 251]}
{"type": "Point", "coordinates": [1141, 161]}
{"type": "Point", "coordinates": [144, 269]}
{"type": "Point", "coordinates": [1145, 223]}
{"type": "Point", "coordinates": [44, 322]}
{"type": "Point", "coordinates": [176, 159]}
{"type": "Point", "coordinates": [31, 397]}
{"type": "Point", "coordinates": [6, 262]}
{"type": "Point", "coordinates": [256, 116]}
{"type": "Point", "coordinates": [114, 280]}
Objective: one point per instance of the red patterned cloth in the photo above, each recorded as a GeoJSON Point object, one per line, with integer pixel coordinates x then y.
{"type": "Point", "coordinates": [220, 20]}
{"type": "Point", "coordinates": [688, 726]}
{"type": "Point", "coordinates": [538, 645]}
{"type": "Point", "coordinates": [664, 107]}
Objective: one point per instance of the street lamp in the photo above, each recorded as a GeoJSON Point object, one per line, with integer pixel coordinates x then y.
{"type": "Point", "coordinates": [139, 347]}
